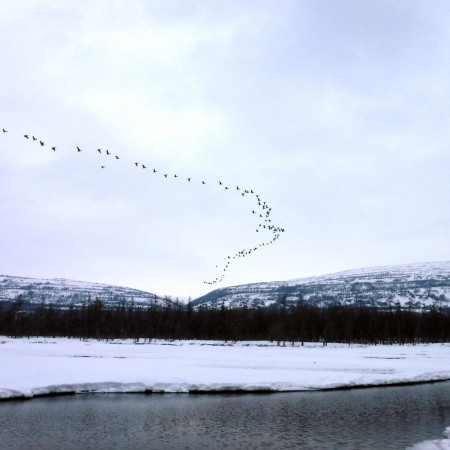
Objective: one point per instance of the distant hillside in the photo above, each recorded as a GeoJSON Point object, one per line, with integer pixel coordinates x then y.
{"type": "Point", "coordinates": [415, 286]}
{"type": "Point", "coordinates": [62, 293]}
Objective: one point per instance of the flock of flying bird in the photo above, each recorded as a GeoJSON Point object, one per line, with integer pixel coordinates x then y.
{"type": "Point", "coordinates": [262, 211]}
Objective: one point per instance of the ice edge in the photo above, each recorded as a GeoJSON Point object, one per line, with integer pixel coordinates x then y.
{"type": "Point", "coordinates": [187, 388]}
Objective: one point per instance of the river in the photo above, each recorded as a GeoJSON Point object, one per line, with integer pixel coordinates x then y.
{"type": "Point", "coordinates": [373, 418]}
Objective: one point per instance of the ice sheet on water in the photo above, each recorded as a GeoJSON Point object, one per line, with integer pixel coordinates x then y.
{"type": "Point", "coordinates": [41, 366]}
{"type": "Point", "coordinates": [435, 444]}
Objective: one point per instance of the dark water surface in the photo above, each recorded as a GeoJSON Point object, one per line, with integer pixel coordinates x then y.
{"type": "Point", "coordinates": [375, 418]}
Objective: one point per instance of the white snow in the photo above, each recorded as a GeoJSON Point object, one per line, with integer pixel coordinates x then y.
{"type": "Point", "coordinates": [39, 366]}
{"type": "Point", "coordinates": [61, 290]}
{"type": "Point", "coordinates": [435, 444]}
{"type": "Point", "coordinates": [387, 284]}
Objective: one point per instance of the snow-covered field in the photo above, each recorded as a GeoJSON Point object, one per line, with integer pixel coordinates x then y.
{"type": "Point", "coordinates": [39, 366]}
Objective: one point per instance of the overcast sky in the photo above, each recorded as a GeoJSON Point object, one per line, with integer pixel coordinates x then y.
{"type": "Point", "coordinates": [337, 113]}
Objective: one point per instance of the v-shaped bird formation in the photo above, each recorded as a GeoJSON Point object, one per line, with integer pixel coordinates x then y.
{"type": "Point", "coordinates": [261, 210]}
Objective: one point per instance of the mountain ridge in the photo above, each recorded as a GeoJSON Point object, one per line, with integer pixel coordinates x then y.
{"type": "Point", "coordinates": [63, 292]}
{"type": "Point", "coordinates": [416, 286]}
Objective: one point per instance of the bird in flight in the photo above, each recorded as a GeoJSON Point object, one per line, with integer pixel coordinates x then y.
{"type": "Point", "coordinates": [262, 204]}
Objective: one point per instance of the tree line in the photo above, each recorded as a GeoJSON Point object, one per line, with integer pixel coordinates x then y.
{"type": "Point", "coordinates": [293, 323]}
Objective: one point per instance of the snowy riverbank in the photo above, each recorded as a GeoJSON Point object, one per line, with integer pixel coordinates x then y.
{"type": "Point", "coordinates": [41, 366]}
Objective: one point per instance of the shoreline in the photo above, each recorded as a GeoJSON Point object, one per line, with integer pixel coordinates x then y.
{"type": "Point", "coordinates": [38, 367]}
{"type": "Point", "coordinates": [217, 392]}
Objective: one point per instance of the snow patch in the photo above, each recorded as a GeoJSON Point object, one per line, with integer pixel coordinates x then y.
{"type": "Point", "coordinates": [436, 444]}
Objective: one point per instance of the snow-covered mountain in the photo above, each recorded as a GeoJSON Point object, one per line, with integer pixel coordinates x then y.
{"type": "Point", "coordinates": [62, 293]}
{"type": "Point", "coordinates": [411, 285]}
{"type": "Point", "coordinates": [415, 286]}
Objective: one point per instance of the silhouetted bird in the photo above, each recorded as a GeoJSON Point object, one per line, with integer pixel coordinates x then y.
{"type": "Point", "coordinates": [243, 253]}
{"type": "Point", "coordinates": [5, 131]}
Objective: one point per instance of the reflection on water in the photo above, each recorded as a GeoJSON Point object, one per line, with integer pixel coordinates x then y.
{"type": "Point", "coordinates": [376, 418]}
